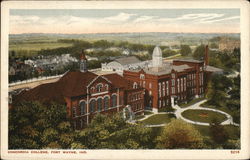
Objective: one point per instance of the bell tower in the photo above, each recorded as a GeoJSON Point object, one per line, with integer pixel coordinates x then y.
{"type": "Point", "coordinates": [83, 62]}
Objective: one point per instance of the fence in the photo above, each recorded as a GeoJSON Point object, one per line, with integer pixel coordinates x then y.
{"type": "Point", "coordinates": [43, 78]}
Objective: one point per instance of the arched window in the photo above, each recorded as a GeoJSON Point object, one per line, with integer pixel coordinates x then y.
{"type": "Point", "coordinates": [114, 100]}
{"type": "Point", "coordinates": [107, 87]}
{"type": "Point", "coordinates": [135, 85]}
{"type": "Point", "coordinates": [106, 103]}
{"type": "Point", "coordinates": [92, 105]}
{"type": "Point", "coordinates": [83, 107]}
{"type": "Point", "coordinates": [99, 104]}
{"type": "Point", "coordinates": [99, 88]}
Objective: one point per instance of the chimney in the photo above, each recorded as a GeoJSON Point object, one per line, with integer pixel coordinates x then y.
{"type": "Point", "coordinates": [206, 59]}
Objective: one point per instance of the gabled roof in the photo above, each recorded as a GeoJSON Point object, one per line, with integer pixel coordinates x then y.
{"type": "Point", "coordinates": [70, 85]}
{"type": "Point", "coordinates": [128, 60]}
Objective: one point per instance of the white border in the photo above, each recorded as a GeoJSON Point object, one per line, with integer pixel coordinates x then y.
{"type": "Point", "coordinates": [132, 154]}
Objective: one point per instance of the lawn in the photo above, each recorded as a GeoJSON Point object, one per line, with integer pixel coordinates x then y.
{"type": "Point", "coordinates": [203, 115]}
{"type": "Point", "coordinates": [158, 119]}
{"type": "Point", "coordinates": [191, 102]}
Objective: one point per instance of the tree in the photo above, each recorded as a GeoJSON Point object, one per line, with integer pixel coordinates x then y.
{"type": "Point", "coordinates": [33, 125]}
{"type": "Point", "coordinates": [217, 90]}
{"type": "Point", "coordinates": [185, 50]}
{"type": "Point", "coordinates": [179, 134]}
{"type": "Point", "coordinates": [114, 133]}
{"type": "Point", "coordinates": [218, 133]}
{"type": "Point", "coordinates": [199, 52]}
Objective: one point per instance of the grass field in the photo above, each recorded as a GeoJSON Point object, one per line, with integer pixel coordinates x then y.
{"type": "Point", "coordinates": [37, 46]}
{"type": "Point", "coordinates": [158, 119]}
{"type": "Point", "coordinates": [203, 115]}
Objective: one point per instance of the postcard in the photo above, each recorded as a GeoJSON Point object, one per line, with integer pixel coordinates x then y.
{"type": "Point", "coordinates": [125, 80]}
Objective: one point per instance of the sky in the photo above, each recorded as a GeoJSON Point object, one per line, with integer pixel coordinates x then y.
{"type": "Point", "coordinates": [78, 21]}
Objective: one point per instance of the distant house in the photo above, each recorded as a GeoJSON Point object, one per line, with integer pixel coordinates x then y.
{"type": "Point", "coordinates": [126, 52]}
{"type": "Point", "coordinates": [124, 63]}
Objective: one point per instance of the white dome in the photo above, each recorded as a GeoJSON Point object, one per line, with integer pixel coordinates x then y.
{"type": "Point", "coordinates": [157, 52]}
{"type": "Point", "coordinates": [157, 57]}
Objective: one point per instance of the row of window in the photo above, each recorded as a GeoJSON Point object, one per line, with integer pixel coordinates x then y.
{"type": "Point", "coordinates": [163, 103]}
{"type": "Point", "coordinates": [135, 97]}
{"type": "Point", "coordinates": [99, 105]}
{"type": "Point", "coordinates": [99, 88]}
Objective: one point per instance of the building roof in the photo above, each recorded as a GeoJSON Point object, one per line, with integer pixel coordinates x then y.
{"type": "Point", "coordinates": [128, 60]}
{"type": "Point", "coordinates": [165, 69]}
{"type": "Point", "coordinates": [213, 69]}
{"type": "Point", "coordinates": [70, 85]}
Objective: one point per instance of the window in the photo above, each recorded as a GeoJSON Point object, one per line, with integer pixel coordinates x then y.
{"type": "Point", "coordinates": [159, 85]}
{"type": "Point", "coordinates": [114, 101]}
{"type": "Point", "coordinates": [200, 68]}
{"type": "Point", "coordinates": [99, 87]}
{"type": "Point", "coordinates": [142, 76]}
{"type": "Point", "coordinates": [135, 85]}
{"type": "Point", "coordinates": [173, 82]}
{"type": "Point", "coordinates": [106, 103]}
{"type": "Point", "coordinates": [150, 85]}
{"type": "Point", "coordinates": [159, 103]}
{"type": "Point", "coordinates": [173, 75]}
{"type": "Point", "coordinates": [181, 84]}
{"type": "Point", "coordinates": [144, 84]}
{"type": "Point", "coordinates": [167, 88]}
{"type": "Point", "coordinates": [178, 85]}
{"type": "Point", "coordinates": [74, 112]}
{"type": "Point", "coordinates": [83, 107]}
{"type": "Point", "coordinates": [99, 104]}
{"type": "Point", "coordinates": [173, 90]}
{"type": "Point", "coordinates": [92, 105]}
{"type": "Point", "coordinates": [150, 93]}
{"type": "Point", "coordinates": [107, 87]}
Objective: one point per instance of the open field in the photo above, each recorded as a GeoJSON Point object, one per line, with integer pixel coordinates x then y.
{"type": "Point", "coordinates": [37, 46]}
{"type": "Point", "coordinates": [203, 115]}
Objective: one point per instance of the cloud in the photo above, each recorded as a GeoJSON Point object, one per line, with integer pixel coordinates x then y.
{"type": "Point", "coordinates": [144, 18]}
{"type": "Point", "coordinates": [122, 22]}
{"type": "Point", "coordinates": [219, 20]}
{"type": "Point", "coordinates": [121, 17]}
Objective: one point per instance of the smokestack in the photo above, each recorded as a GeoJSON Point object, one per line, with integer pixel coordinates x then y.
{"type": "Point", "coordinates": [206, 59]}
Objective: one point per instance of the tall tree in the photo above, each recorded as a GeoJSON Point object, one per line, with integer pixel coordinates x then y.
{"type": "Point", "coordinates": [218, 133]}
{"type": "Point", "coordinates": [185, 50]}
{"type": "Point", "coordinates": [199, 52]}
{"type": "Point", "coordinates": [33, 125]}
{"type": "Point", "coordinates": [114, 133]}
{"type": "Point", "coordinates": [179, 134]}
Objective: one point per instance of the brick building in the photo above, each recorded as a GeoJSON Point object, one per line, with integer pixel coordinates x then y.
{"type": "Point", "coordinates": [172, 81]}
{"type": "Point", "coordinates": [85, 94]}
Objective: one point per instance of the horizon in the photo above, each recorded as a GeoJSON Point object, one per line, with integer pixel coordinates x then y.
{"type": "Point", "coordinates": [93, 21]}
